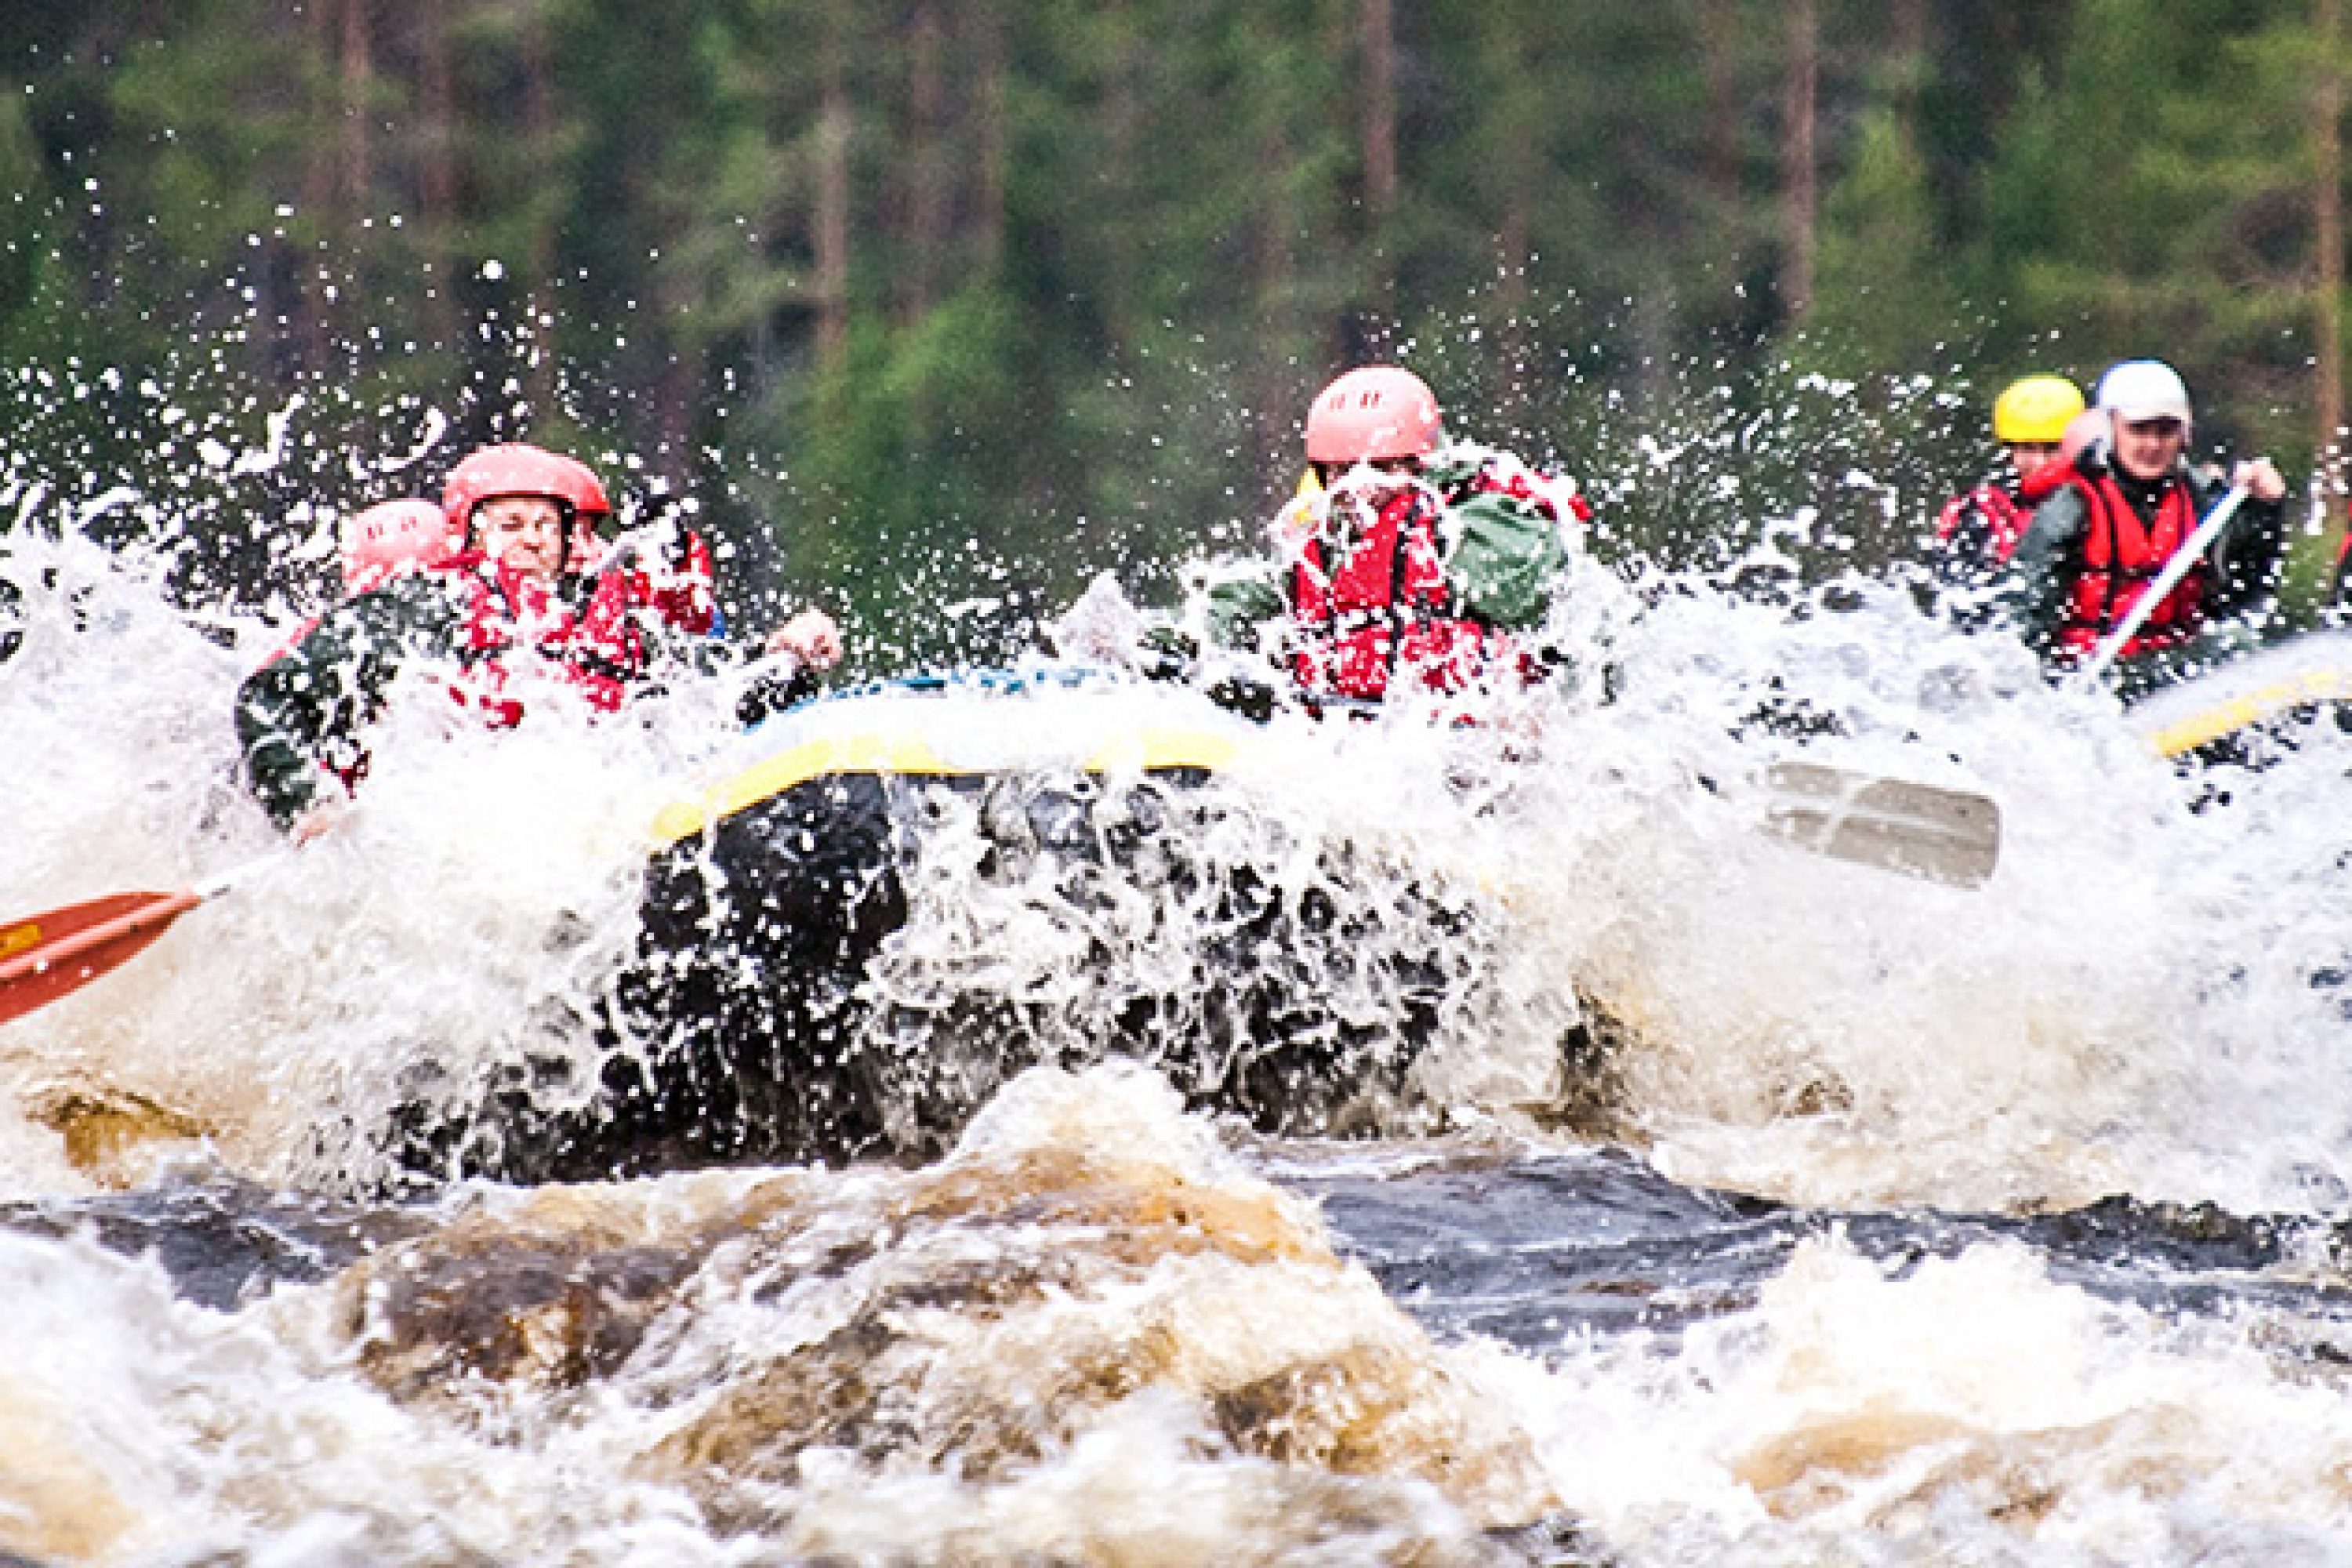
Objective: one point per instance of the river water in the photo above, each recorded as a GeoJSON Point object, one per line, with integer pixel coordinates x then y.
{"type": "Point", "coordinates": [1747, 1206]}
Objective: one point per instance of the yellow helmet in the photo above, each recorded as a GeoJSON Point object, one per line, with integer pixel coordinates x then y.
{"type": "Point", "coordinates": [2036, 409]}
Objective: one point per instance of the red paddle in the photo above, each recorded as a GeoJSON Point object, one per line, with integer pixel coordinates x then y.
{"type": "Point", "coordinates": [56, 953]}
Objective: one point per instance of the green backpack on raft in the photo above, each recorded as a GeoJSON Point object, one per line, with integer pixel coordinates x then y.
{"type": "Point", "coordinates": [1502, 550]}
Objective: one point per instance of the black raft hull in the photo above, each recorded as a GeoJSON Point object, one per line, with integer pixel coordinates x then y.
{"type": "Point", "coordinates": [847, 946]}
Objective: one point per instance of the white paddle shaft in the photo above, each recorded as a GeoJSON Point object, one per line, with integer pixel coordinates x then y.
{"type": "Point", "coordinates": [2184, 558]}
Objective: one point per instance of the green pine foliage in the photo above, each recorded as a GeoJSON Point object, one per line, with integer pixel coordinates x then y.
{"type": "Point", "coordinates": [945, 307]}
{"type": "Point", "coordinates": [1882, 285]}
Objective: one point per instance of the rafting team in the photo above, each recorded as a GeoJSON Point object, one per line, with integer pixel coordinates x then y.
{"type": "Point", "coordinates": [1405, 560]}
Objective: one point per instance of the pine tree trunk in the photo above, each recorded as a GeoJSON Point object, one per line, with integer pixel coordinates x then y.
{"type": "Point", "coordinates": [1801, 172]}
{"type": "Point", "coordinates": [833, 217]}
{"type": "Point", "coordinates": [320, 186]}
{"type": "Point", "coordinates": [2327, 128]}
{"type": "Point", "coordinates": [1376, 136]}
{"type": "Point", "coordinates": [1377, 96]}
{"type": "Point", "coordinates": [928, 193]}
{"type": "Point", "coordinates": [358, 74]}
{"type": "Point", "coordinates": [539, 109]}
{"type": "Point", "coordinates": [1516, 240]}
{"type": "Point", "coordinates": [995, 138]}
{"type": "Point", "coordinates": [1122, 139]}
{"type": "Point", "coordinates": [1721, 56]}
{"type": "Point", "coordinates": [1519, 112]}
{"type": "Point", "coordinates": [319, 155]}
{"type": "Point", "coordinates": [1276, 293]}
{"type": "Point", "coordinates": [436, 169]}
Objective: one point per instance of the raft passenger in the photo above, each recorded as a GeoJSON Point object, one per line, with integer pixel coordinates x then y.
{"type": "Point", "coordinates": [2121, 511]}
{"type": "Point", "coordinates": [510, 603]}
{"type": "Point", "coordinates": [1977, 532]}
{"type": "Point", "coordinates": [1405, 560]}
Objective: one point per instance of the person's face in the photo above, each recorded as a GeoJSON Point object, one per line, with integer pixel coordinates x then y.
{"type": "Point", "coordinates": [2147, 449]}
{"type": "Point", "coordinates": [2030, 457]}
{"type": "Point", "coordinates": [1372, 476]}
{"type": "Point", "coordinates": [524, 533]}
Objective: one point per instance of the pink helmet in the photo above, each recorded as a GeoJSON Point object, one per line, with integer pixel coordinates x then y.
{"type": "Point", "coordinates": [2085, 429]}
{"type": "Point", "coordinates": [391, 535]}
{"type": "Point", "coordinates": [519, 470]}
{"type": "Point", "coordinates": [587, 493]}
{"type": "Point", "coordinates": [589, 509]}
{"type": "Point", "coordinates": [1371, 413]}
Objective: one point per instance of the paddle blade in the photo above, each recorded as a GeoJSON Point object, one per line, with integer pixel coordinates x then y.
{"type": "Point", "coordinates": [1941, 835]}
{"type": "Point", "coordinates": [56, 953]}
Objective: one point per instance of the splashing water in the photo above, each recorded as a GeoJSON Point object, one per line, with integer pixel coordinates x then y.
{"type": "Point", "coordinates": [1100, 1327]}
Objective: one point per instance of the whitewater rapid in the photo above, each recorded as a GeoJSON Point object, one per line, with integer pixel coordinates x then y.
{"type": "Point", "coordinates": [1106, 1328]}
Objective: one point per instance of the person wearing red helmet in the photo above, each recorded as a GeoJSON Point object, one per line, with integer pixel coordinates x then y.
{"type": "Point", "coordinates": [667, 574]}
{"type": "Point", "coordinates": [1404, 559]}
{"type": "Point", "coordinates": [379, 543]}
{"type": "Point", "coordinates": [509, 603]}
{"type": "Point", "coordinates": [663, 580]}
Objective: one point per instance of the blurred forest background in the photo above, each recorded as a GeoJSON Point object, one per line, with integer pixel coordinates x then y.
{"type": "Point", "coordinates": [942, 306]}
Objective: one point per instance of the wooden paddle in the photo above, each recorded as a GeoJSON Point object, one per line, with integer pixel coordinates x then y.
{"type": "Point", "coordinates": [1941, 835]}
{"type": "Point", "coordinates": [55, 954]}
{"type": "Point", "coordinates": [1938, 835]}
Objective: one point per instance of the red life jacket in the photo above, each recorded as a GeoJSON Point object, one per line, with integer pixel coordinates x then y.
{"type": "Point", "coordinates": [1382, 604]}
{"type": "Point", "coordinates": [2006, 511]}
{"type": "Point", "coordinates": [2032, 493]}
{"type": "Point", "coordinates": [512, 617]}
{"type": "Point", "coordinates": [2004, 519]}
{"type": "Point", "coordinates": [682, 590]}
{"type": "Point", "coordinates": [2120, 555]}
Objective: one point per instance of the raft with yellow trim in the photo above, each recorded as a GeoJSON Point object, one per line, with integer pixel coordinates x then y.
{"type": "Point", "coordinates": [2248, 712]}
{"type": "Point", "coordinates": [886, 902]}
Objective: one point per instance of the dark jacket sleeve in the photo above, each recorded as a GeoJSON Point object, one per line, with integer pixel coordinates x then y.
{"type": "Point", "coordinates": [1964, 559]}
{"type": "Point", "coordinates": [1243, 601]}
{"type": "Point", "coordinates": [300, 714]}
{"type": "Point", "coordinates": [2042, 572]}
{"type": "Point", "coordinates": [2247, 557]}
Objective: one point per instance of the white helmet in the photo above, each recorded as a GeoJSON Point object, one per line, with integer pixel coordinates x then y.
{"type": "Point", "coordinates": [2141, 389]}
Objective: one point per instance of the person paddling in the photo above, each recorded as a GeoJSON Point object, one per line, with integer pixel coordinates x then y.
{"type": "Point", "coordinates": [507, 609]}
{"type": "Point", "coordinates": [1403, 560]}
{"type": "Point", "coordinates": [2121, 511]}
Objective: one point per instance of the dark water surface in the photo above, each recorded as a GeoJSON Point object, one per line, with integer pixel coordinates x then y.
{"type": "Point", "coordinates": [1526, 1250]}
{"type": "Point", "coordinates": [1529, 1251]}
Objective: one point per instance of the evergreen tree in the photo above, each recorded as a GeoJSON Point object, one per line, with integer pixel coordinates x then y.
{"type": "Point", "coordinates": [1884, 286]}
{"type": "Point", "coordinates": [964, 302]}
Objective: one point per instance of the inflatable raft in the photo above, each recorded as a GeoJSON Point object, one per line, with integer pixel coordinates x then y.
{"type": "Point", "coordinates": [2252, 708]}
{"type": "Point", "coordinates": [886, 902]}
